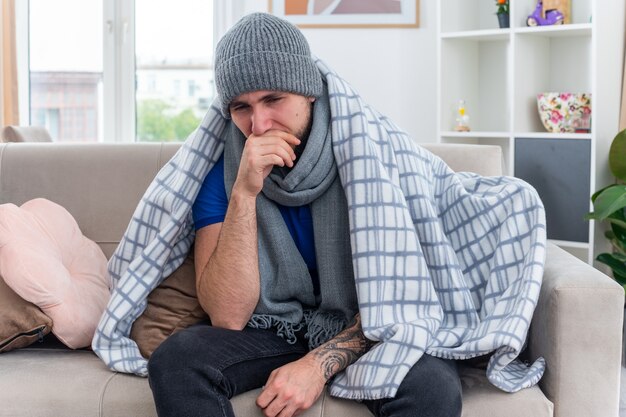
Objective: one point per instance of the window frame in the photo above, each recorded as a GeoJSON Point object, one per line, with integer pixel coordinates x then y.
{"type": "Point", "coordinates": [119, 70]}
{"type": "Point", "coordinates": [118, 116]}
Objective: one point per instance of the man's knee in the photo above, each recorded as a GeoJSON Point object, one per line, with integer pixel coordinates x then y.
{"type": "Point", "coordinates": [434, 385]}
{"type": "Point", "coordinates": [175, 355]}
{"type": "Point", "coordinates": [164, 356]}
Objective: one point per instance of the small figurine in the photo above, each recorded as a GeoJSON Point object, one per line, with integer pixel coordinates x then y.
{"type": "Point", "coordinates": [462, 119]}
{"type": "Point", "coordinates": [541, 17]}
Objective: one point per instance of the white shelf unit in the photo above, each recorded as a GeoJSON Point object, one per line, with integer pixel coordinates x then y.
{"type": "Point", "coordinates": [499, 72]}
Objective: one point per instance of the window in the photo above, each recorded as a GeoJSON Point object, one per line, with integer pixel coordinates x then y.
{"type": "Point", "coordinates": [65, 74]}
{"type": "Point", "coordinates": [119, 70]}
{"type": "Point", "coordinates": [178, 67]}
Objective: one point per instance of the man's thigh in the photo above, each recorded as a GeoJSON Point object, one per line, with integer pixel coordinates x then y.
{"type": "Point", "coordinates": [432, 388]}
{"type": "Point", "coordinates": [237, 361]}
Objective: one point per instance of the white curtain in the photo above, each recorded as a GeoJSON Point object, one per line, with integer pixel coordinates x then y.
{"type": "Point", "coordinates": [9, 113]}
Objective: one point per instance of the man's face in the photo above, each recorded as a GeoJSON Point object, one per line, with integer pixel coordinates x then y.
{"type": "Point", "coordinates": [260, 111]}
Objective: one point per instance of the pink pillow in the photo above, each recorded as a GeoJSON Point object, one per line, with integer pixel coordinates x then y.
{"type": "Point", "coordinates": [46, 260]}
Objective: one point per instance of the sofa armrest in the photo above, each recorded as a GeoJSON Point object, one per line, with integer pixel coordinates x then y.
{"type": "Point", "coordinates": [577, 328]}
{"type": "Point", "coordinates": [486, 160]}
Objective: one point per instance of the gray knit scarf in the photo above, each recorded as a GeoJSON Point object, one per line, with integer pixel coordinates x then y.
{"type": "Point", "coordinates": [287, 302]}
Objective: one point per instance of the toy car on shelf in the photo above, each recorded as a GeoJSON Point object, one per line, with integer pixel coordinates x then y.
{"type": "Point", "coordinates": [539, 18]}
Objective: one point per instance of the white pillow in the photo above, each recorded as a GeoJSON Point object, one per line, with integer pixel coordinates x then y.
{"type": "Point", "coordinates": [46, 260]}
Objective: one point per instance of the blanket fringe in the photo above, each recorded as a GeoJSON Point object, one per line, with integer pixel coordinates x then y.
{"type": "Point", "coordinates": [284, 329]}
{"type": "Point", "coordinates": [321, 326]}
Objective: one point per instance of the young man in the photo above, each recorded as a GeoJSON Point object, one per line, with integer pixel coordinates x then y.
{"type": "Point", "coordinates": [272, 251]}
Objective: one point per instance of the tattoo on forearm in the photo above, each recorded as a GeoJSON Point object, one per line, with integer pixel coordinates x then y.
{"type": "Point", "coordinates": [344, 349]}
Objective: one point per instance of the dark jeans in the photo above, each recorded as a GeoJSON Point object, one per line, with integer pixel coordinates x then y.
{"type": "Point", "coordinates": [196, 371]}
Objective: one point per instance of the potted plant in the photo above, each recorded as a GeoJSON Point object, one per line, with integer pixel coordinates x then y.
{"type": "Point", "coordinates": [503, 13]}
{"type": "Point", "coordinates": [609, 204]}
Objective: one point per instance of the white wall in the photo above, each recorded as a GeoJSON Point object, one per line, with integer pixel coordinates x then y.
{"type": "Point", "coordinates": [394, 70]}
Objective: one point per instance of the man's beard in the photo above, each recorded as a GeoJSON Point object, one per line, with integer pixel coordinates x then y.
{"type": "Point", "coordinates": [303, 135]}
{"type": "Point", "coordinates": [304, 138]}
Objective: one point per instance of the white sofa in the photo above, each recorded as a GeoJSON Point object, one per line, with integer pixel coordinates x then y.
{"type": "Point", "coordinates": [577, 325]}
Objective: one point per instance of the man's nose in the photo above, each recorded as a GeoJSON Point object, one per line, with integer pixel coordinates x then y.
{"type": "Point", "coordinates": [261, 121]}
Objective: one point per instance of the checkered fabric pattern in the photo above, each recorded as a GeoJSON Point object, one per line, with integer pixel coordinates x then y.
{"type": "Point", "coordinates": [445, 264]}
{"type": "Point", "coordinates": [156, 242]}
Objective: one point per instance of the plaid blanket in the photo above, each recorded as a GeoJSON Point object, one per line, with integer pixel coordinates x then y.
{"type": "Point", "coordinates": [445, 264]}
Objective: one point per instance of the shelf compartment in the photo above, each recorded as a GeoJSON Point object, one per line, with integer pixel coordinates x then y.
{"type": "Point", "coordinates": [580, 11]}
{"type": "Point", "coordinates": [546, 165]}
{"type": "Point", "coordinates": [472, 15]}
{"type": "Point", "coordinates": [548, 64]}
{"type": "Point", "coordinates": [475, 71]}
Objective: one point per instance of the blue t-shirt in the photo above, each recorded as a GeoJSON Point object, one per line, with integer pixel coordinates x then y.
{"type": "Point", "coordinates": [211, 205]}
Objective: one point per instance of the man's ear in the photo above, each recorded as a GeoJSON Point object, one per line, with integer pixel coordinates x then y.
{"type": "Point", "coordinates": [312, 99]}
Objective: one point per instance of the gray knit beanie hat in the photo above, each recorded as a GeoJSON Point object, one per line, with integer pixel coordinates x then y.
{"type": "Point", "coordinates": [264, 52]}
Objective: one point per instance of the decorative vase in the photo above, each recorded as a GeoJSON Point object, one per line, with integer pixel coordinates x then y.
{"type": "Point", "coordinates": [503, 20]}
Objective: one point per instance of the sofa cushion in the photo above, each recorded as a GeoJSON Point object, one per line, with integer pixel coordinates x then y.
{"type": "Point", "coordinates": [25, 134]}
{"type": "Point", "coordinates": [100, 184]}
{"type": "Point", "coordinates": [70, 383]}
{"type": "Point", "coordinates": [172, 306]}
{"type": "Point", "coordinates": [46, 383]}
{"type": "Point", "coordinates": [21, 322]}
{"type": "Point", "coordinates": [46, 260]}
{"type": "Point", "coordinates": [484, 399]}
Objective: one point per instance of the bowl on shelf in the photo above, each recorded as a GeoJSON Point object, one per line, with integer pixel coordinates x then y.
{"type": "Point", "coordinates": [565, 112]}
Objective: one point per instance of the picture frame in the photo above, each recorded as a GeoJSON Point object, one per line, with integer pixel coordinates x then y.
{"type": "Point", "coordinates": [347, 13]}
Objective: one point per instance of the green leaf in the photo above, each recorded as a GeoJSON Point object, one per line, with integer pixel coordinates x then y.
{"type": "Point", "coordinates": [618, 227]}
{"type": "Point", "coordinates": [595, 195]}
{"type": "Point", "coordinates": [617, 263]}
{"type": "Point", "coordinates": [619, 278]}
{"type": "Point", "coordinates": [617, 222]}
{"type": "Point", "coordinates": [608, 202]}
{"type": "Point", "coordinates": [617, 156]}
{"type": "Point", "coordinates": [619, 257]}
{"type": "Point", "coordinates": [620, 246]}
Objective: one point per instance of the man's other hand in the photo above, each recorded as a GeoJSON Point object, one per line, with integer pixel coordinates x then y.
{"type": "Point", "coordinates": [292, 388]}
